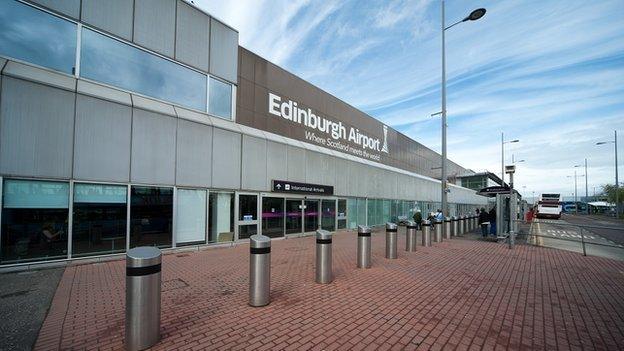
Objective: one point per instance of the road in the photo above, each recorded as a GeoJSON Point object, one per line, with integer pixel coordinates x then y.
{"type": "Point", "coordinates": [604, 239]}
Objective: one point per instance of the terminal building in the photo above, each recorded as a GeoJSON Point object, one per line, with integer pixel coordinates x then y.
{"type": "Point", "coordinates": [143, 122]}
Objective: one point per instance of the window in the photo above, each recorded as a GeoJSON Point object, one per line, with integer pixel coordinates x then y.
{"type": "Point", "coordinates": [220, 99]}
{"type": "Point", "coordinates": [35, 36]}
{"type": "Point", "coordinates": [353, 213]}
{"type": "Point", "coordinates": [247, 215]}
{"type": "Point", "coordinates": [342, 214]}
{"type": "Point", "coordinates": [361, 211]}
{"type": "Point", "coordinates": [34, 220]}
{"type": "Point", "coordinates": [328, 215]}
{"type": "Point", "coordinates": [190, 216]}
{"type": "Point", "coordinates": [221, 217]}
{"type": "Point", "coordinates": [151, 214]}
{"type": "Point", "coordinates": [99, 222]}
{"type": "Point", "coordinates": [110, 61]}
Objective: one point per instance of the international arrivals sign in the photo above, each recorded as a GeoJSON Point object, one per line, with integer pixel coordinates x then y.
{"type": "Point", "coordinates": [329, 133]}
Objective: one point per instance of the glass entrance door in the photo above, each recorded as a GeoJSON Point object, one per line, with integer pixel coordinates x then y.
{"type": "Point", "coordinates": [294, 217]}
{"type": "Point", "coordinates": [311, 215]}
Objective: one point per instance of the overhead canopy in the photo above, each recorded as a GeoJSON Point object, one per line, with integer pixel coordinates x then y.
{"type": "Point", "coordinates": [601, 204]}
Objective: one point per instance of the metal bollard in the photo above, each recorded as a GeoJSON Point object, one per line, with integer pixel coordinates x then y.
{"type": "Point", "coordinates": [364, 247]}
{"type": "Point", "coordinates": [447, 228]}
{"type": "Point", "coordinates": [143, 286]}
{"type": "Point", "coordinates": [426, 232]}
{"type": "Point", "coordinates": [437, 231]}
{"type": "Point", "coordinates": [391, 240]}
{"type": "Point", "coordinates": [472, 223]}
{"type": "Point", "coordinates": [324, 273]}
{"type": "Point", "coordinates": [475, 222]}
{"type": "Point", "coordinates": [462, 225]}
{"type": "Point", "coordinates": [259, 270]}
{"type": "Point", "coordinates": [410, 236]}
{"type": "Point", "coordinates": [455, 225]}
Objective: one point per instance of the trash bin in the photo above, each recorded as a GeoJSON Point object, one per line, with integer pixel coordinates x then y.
{"type": "Point", "coordinates": [391, 240]}
{"type": "Point", "coordinates": [143, 286]}
{"type": "Point", "coordinates": [259, 270]}
{"type": "Point", "coordinates": [324, 273]}
{"type": "Point", "coordinates": [410, 236]}
{"type": "Point", "coordinates": [447, 228]}
{"type": "Point", "coordinates": [364, 247]}
{"type": "Point", "coordinates": [426, 232]}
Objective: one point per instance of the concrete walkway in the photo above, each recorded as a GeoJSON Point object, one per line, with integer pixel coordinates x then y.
{"type": "Point", "coordinates": [460, 294]}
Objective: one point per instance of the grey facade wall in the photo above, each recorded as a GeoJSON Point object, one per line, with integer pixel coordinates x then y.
{"type": "Point", "coordinates": [90, 134]}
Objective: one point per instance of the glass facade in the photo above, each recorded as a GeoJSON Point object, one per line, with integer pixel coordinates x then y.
{"type": "Point", "coordinates": [35, 36]}
{"type": "Point", "coordinates": [273, 216]}
{"type": "Point", "coordinates": [53, 41]}
{"type": "Point", "coordinates": [34, 220]}
{"type": "Point", "coordinates": [221, 217]}
{"type": "Point", "coordinates": [247, 212]}
{"type": "Point", "coordinates": [328, 215]}
{"type": "Point", "coordinates": [220, 99]}
{"type": "Point", "coordinates": [190, 216]}
{"type": "Point", "coordinates": [99, 219]}
{"type": "Point", "coordinates": [110, 61]}
{"type": "Point", "coordinates": [342, 214]}
{"type": "Point", "coordinates": [151, 214]}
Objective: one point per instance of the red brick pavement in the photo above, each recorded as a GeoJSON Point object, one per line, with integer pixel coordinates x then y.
{"type": "Point", "coordinates": [460, 294]}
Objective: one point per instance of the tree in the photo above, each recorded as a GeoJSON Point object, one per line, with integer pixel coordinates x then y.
{"type": "Point", "coordinates": [609, 190]}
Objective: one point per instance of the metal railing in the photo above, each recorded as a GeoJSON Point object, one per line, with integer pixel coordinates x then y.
{"type": "Point", "coordinates": [585, 235]}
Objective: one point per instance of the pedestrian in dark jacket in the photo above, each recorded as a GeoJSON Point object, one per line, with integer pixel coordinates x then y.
{"type": "Point", "coordinates": [493, 221]}
{"type": "Point", "coordinates": [417, 218]}
{"type": "Point", "coordinates": [484, 221]}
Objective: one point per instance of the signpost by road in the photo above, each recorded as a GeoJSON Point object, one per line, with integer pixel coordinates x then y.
{"type": "Point", "coordinates": [511, 170]}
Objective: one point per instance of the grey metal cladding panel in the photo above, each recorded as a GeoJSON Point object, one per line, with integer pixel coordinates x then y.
{"type": "Point", "coordinates": [113, 16]}
{"type": "Point", "coordinates": [277, 162]}
{"type": "Point", "coordinates": [194, 154]}
{"type": "Point", "coordinates": [223, 51]}
{"type": "Point", "coordinates": [341, 185]}
{"type": "Point", "coordinates": [67, 7]}
{"type": "Point", "coordinates": [153, 148]}
{"type": "Point", "coordinates": [36, 126]}
{"type": "Point", "coordinates": [296, 164]}
{"type": "Point", "coordinates": [226, 159]}
{"type": "Point", "coordinates": [254, 165]}
{"type": "Point", "coordinates": [154, 25]}
{"type": "Point", "coordinates": [102, 140]}
{"type": "Point", "coordinates": [192, 36]}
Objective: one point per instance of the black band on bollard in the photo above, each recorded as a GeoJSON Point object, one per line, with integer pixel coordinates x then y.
{"type": "Point", "coordinates": [259, 250]}
{"type": "Point", "coordinates": [391, 230]}
{"type": "Point", "coordinates": [140, 271]}
{"type": "Point", "coordinates": [426, 225]}
{"type": "Point", "coordinates": [364, 234]}
{"type": "Point", "coordinates": [412, 227]}
{"type": "Point", "coordinates": [323, 241]}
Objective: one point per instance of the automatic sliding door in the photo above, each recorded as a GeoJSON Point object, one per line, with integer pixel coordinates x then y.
{"type": "Point", "coordinates": [311, 215]}
{"type": "Point", "coordinates": [294, 223]}
{"type": "Point", "coordinates": [273, 216]}
{"type": "Point", "coordinates": [328, 215]}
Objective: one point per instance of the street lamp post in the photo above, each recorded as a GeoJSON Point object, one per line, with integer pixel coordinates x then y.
{"type": "Point", "coordinates": [575, 191]}
{"type": "Point", "coordinates": [474, 15]}
{"type": "Point", "coordinates": [503, 142]}
{"type": "Point", "coordinates": [586, 192]}
{"type": "Point", "coordinates": [617, 184]}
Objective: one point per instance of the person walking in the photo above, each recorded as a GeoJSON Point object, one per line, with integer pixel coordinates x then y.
{"type": "Point", "coordinates": [493, 221]}
{"type": "Point", "coordinates": [417, 218]}
{"type": "Point", "coordinates": [484, 221]}
{"type": "Point", "coordinates": [439, 215]}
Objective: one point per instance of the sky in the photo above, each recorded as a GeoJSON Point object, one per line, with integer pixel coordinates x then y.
{"type": "Point", "coordinates": [549, 73]}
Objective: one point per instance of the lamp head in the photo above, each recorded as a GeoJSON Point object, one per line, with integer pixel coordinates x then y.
{"type": "Point", "coordinates": [475, 15]}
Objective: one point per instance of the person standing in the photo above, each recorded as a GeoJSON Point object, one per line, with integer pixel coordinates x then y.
{"type": "Point", "coordinates": [418, 219]}
{"type": "Point", "coordinates": [493, 221]}
{"type": "Point", "coordinates": [484, 221]}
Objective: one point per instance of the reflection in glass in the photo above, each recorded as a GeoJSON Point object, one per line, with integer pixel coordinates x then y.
{"type": "Point", "coordinates": [34, 220]}
{"type": "Point", "coordinates": [99, 222]}
{"type": "Point", "coordinates": [361, 211]}
{"type": "Point", "coordinates": [37, 37]}
{"type": "Point", "coordinates": [245, 231]}
{"type": "Point", "coordinates": [273, 217]}
{"type": "Point", "coordinates": [328, 215]}
{"type": "Point", "coordinates": [112, 62]}
{"type": "Point", "coordinates": [311, 215]}
{"type": "Point", "coordinates": [190, 216]}
{"type": "Point", "coordinates": [247, 207]}
{"type": "Point", "coordinates": [220, 99]}
{"type": "Point", "coordinates": [371, 212]}
{"type": "Point", "coordinates": [342, 214]}
{"type": "Point", "coordinates": [221, 217]}
{"type": "Point", "coordinates": [353, 213]}
{"type": "Point", "coordinates": [293, 217]}
{"type": "Point", "coordinates": [151, 214]}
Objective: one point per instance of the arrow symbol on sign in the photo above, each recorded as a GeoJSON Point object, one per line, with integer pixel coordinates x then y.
{"type": "Point", "coordinates": [278, 186]}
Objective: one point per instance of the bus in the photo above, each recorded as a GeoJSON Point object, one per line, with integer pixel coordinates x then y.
{"type": "Point", "coordinates": [549, 206]}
